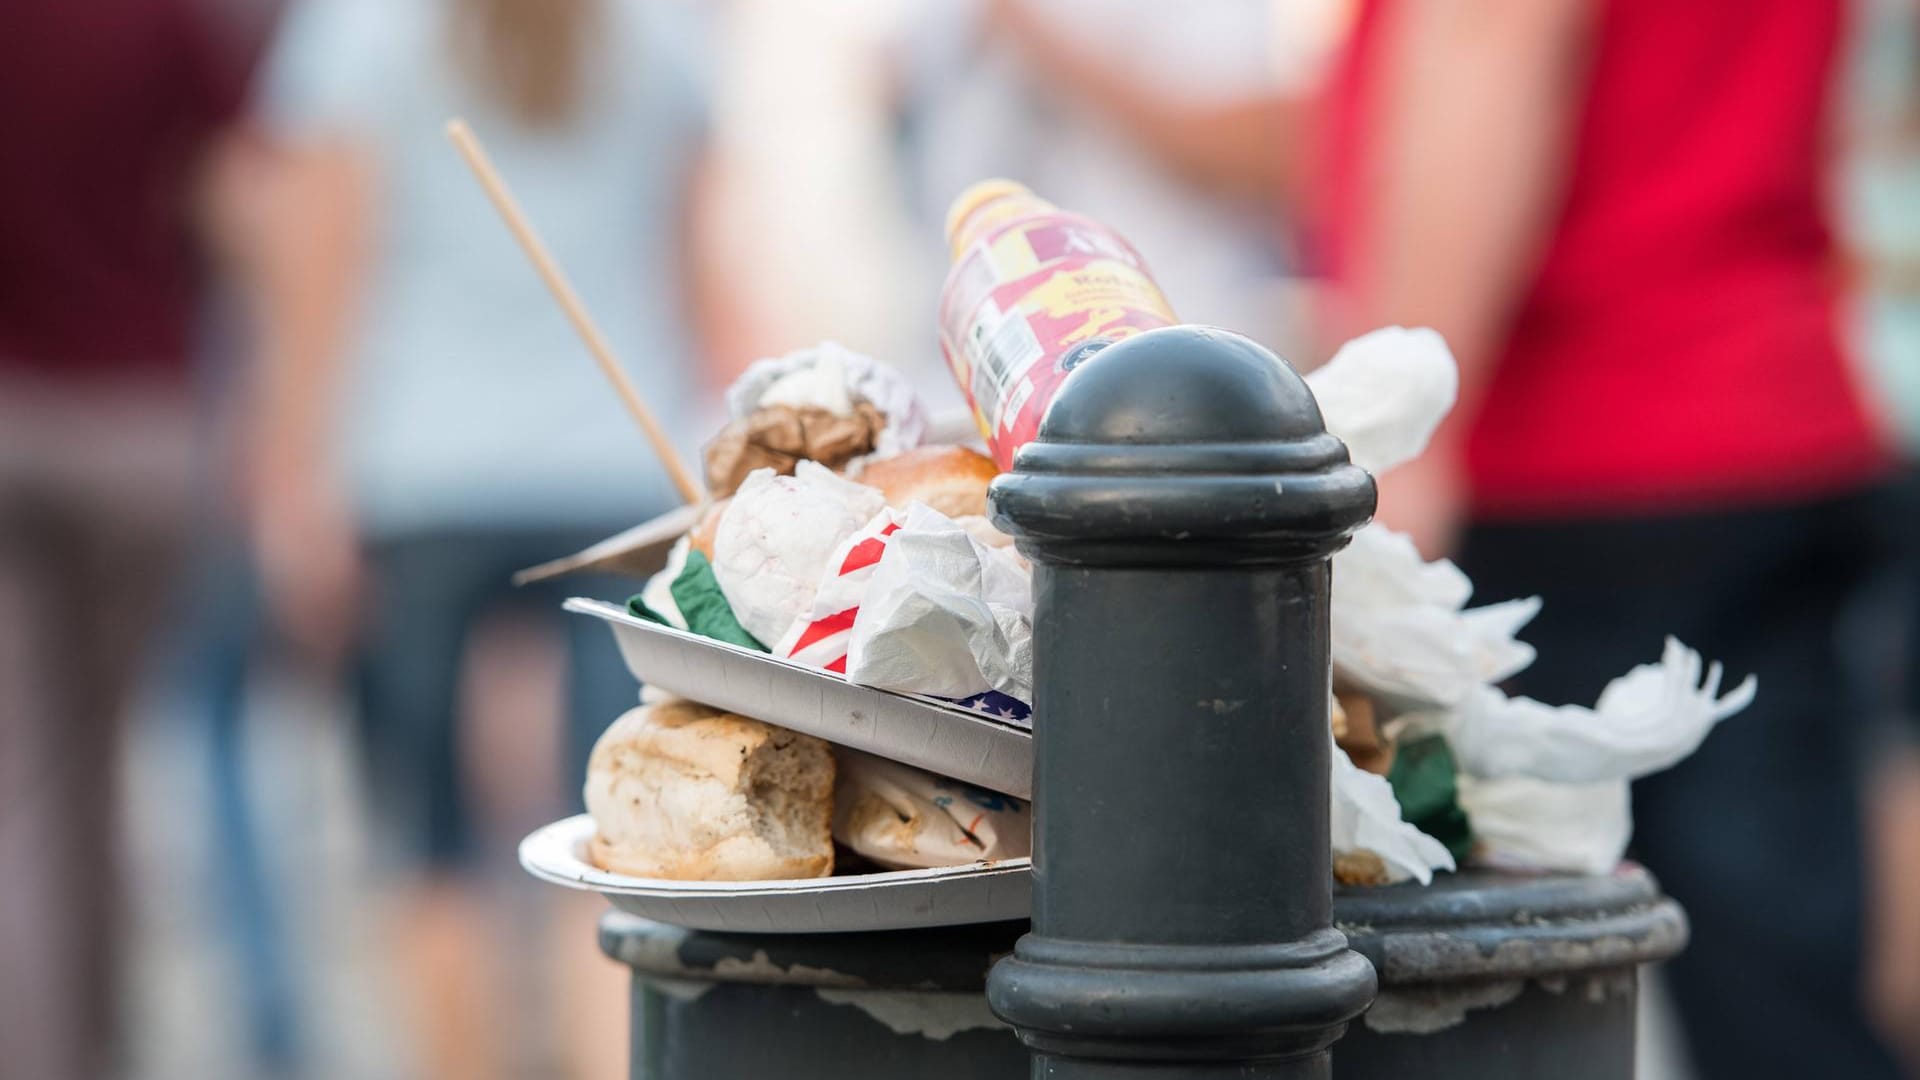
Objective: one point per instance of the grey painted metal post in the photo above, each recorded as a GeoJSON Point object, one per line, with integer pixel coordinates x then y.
{"type": "Point", "coordinates": [1180, 507]}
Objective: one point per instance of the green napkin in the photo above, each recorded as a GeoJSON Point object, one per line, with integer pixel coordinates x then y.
{"type": "Point", "coordinates": [697, 593]}
{"type": "Point", "coordinates": [1423, 781]}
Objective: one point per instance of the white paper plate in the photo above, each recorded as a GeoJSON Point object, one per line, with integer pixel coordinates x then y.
{"type": "Point", "coordinates": [895, 900]}
{"type": "Point", "coordinates": [993, 753]}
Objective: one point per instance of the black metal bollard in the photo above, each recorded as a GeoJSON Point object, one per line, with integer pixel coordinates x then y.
{"type": "Point", "coordinates": [1180, 507]}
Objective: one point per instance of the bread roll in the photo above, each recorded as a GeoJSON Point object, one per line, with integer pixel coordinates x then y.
{"type": "Point", "coordinates": [687, 792]}
{"type": "Point", "coordinates": [951, 479]}
{"type": "Point", "coordinates": [1360, 867]}
{"type": "Point", "coordinates": [1356, 728]}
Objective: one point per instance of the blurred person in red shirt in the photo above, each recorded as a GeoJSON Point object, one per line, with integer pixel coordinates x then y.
{"type": "Point", "coordinates": [1880, 229]}
{"type": "Point", "coordinates": [1613, 211]}
{"type": "Point", "coordinates": [115, 120]}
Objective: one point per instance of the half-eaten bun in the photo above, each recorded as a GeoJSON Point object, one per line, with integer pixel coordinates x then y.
{"type": "Point", "coordinates": [688, 792]}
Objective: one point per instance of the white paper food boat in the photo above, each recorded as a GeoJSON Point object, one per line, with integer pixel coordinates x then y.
{"type": "Point", "coordinates": [894, 900]}
{"type": "Point", "coordinates": [990, 752]}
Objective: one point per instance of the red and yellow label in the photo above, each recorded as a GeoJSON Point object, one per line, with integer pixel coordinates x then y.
{"type": "Point", "coordinates": [1022, 301]}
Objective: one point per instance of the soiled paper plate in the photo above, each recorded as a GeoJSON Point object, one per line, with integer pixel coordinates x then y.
{"type": "Point", "coordinates": [989, 751]}
{"type": "Point", "coordinates": [894, 900]}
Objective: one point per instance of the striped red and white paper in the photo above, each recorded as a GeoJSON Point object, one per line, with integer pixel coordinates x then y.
{"type": "Point", "coordinates": [822, 640]}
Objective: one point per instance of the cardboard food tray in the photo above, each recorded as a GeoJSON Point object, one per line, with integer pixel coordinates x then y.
{"type": "Point", "coordinates": [988, 752]}
{"type": "Point", "coordinates": [894, 900]}
{"type": "Point", "coordinates": [637, 553]}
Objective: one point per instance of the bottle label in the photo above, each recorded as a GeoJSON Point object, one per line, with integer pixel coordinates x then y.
{"type": "Point", "coordinates": [1020, 308]}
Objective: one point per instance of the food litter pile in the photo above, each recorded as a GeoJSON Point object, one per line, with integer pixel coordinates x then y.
{"type": "Point", "coordinates": [836, 536]}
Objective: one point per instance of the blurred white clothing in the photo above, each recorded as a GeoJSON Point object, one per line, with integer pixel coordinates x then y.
{"type": "Point", "coordinates": [472, 402]}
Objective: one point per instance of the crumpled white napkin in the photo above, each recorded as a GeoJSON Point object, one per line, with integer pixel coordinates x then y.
{"type": "Point", "coordinates": [1401, 632]}
{"type": "Point", "coordinates": [1384, 393]}
{"type": "Point", "coordinates": [832, 377]}
{"type": "Point", "coordinates": [1645, 721]}
{"type": "Point", "coordinates": [1543, 787]}
{"type": "Point", "coordinates": [1366, 816]}
{"type": "Point", "coordinates": [1520, 823]}
{"type": "Point", "coordinates": [944, 615]}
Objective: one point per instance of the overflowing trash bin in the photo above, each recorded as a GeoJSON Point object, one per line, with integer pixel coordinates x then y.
{"type": "Point", "coordinates": [941, 779]}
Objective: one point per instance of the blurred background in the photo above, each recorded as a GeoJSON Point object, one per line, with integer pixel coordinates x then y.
{"type": "Point", "coordinates": [282, 408]}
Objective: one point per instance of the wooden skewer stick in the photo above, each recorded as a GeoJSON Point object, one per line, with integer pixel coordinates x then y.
{"type": "Point", "coordinates": [576, 311]}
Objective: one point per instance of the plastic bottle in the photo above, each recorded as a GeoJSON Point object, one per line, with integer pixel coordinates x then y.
{"type": "Point", "coordinates": [1034, 290]}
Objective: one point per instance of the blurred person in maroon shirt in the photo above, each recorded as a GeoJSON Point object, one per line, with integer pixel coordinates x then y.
{"type": "Point", "coordinates": [115, 114]}
{"type": "Point", "coordinates": [1613, 211]}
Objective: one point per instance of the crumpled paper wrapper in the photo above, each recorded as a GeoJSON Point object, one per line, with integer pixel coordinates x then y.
{"type": "Point", "coordinates": [833, 377]}
{"type": "Point", "coordinates": [827, 404]}
{"type": "Point", "coordinates": [907, 819]}
{"type": "Point", "coordinates": [773, 542]}
{"type": "Point", "coordinates": [821, 638]}
{"type": "Point", "coordinates": [944, 615]}
{"type": "Point", "coordinates": [779, 437]}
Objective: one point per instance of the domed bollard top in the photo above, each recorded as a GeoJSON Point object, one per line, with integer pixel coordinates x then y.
{"type": "Point", "coordinates": [1188, 445]}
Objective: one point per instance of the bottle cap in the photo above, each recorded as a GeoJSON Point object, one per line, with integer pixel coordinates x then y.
{"type": "Point", "coordinates": [976, 196]}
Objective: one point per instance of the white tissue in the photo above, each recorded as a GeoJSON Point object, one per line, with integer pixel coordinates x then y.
{"type": "Point", "coordinates": [822, 385]}
{"type": "Point", "coordinates": [1645, 721]}
{"type": "Point", "coordinates": [832, 377]}
{"type": "Point", "coordinates": [1520, 823]}
{"type": "Point", "coordinates": [1400, 631]}
{"type": "Point", "coordinates": [1384, 393]}
{"type": "Point", "coordinates": [1544, 788]}
{"type": "Point", "coordinates": [774, 541]}
{"type": "Point", "coordinates": [1367, 817]}
{"type": "Point", "coordinates": [944, 615]}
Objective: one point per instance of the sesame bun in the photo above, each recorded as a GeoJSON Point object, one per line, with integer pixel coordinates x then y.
{"type": "Point", "coordinates": [950, 479]}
